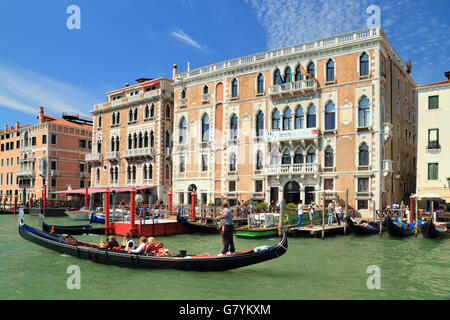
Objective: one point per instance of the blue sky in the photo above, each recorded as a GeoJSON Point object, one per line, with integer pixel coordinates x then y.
{"type": "Point", "coordinates": [42, 62]}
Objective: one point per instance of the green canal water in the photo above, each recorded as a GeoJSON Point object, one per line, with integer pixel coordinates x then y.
{"type": "Point", "coordinates": [334, 268]}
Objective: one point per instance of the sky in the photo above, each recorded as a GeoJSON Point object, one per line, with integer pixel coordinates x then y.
{"type": "Point", "coordinates": [44, 61]}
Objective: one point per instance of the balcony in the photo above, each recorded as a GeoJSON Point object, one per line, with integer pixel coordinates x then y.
{"type": "Point", "coordinates": [386, 131]}
{"type": "Point", "coordinates": [141, 152]}
{"type": "Point", "coordinates": [296, 168]}
{"type": "Point", "coordinates": [112, 155]}
{"type": "Point", "coordinates": [182, 102]}
{"type": "Point", "coordinates": [93, 157]}
{"type": "Point", "coordinates": [54, 173]}
{"type": "Point", "coordinates": [293, 87]}
{"type": "Point", "coordinates": [205, 97]}
{"type": "Point", "coordinates": [83, 175]}
{"type": "Point", "coordinates": [289, 135]}
{"type": "Point", "coordinates": [26, 173]}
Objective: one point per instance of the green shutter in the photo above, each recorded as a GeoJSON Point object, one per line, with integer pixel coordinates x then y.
{"type": "Point", "coordinates": [433, 102]}
{"type": "Point", "coordinates": [432, 171]}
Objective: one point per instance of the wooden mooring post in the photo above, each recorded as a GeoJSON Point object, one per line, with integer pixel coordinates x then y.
{"type": "Point", "coordinates": [323, 215]}
{"type": "Point", "coordinates": [346, 212]}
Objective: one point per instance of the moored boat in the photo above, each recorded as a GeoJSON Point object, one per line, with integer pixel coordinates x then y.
{"type": "Point", "coordinates": [206, 228]}
{"type": "Point", "coordinates": [432, 230]}
{"type": "Point", "coordinates": [398, 228]}
{"type": "Point", "coordinates": [367, 228]}
{"type": "Point", "coordinates": [72, 230]}
{"type": "Point", "coordinates": [202, 262]}
{"type": "Point", "coordinates": [256, 233]}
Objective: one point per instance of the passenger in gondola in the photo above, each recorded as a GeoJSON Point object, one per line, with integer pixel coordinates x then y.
{"type": "Point", "coordinates": [71, 240]}
{"type": "Point", "coordinates": [112, 243]}
{"type": "Point", "coordinates": [128, 243]}
{"type": "Point", "coordinates": [142, 243]}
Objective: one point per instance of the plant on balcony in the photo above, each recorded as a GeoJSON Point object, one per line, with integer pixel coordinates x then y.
{"type": "Point", "coordinates": [261, 206]}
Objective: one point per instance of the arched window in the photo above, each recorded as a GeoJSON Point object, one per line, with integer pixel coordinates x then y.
{"type": "Point", "coordinates": [277, 79]}
{"type": "Point", "coordinates": [167, 172]}
{"type": "Point", "coordinates": [276, 120]}
{"type": "Point", "coordinates": [260, 124]}
{"type": "Point", "coordinates": [364, 154]}
{"type": "Point", "coordinates": [260, 84]}
{"type": "Point", "coordinates": [364, 112]}
{"type": "Point", "coordinates": [152, 139]}
{"type": "Point", "coordinates": [286, 159]}
{"type": "Point", "coordinates": [100, 121]}
{"type": "Point", "coordinates": [117, 143]}
{"type": "Point", "coordinates": [311, 156]}
{"type": "Point", "coordinates": [205, 89]}
{"type": "Point", "coordinates": [298, 156]}
{"type": "Point", "coordinates": [130, 142]}
{"type": "Point", "coordinates": [141, 141]}
{"type": "Point", "coordinates": [129, 174]}
{"type": "Point", "coordinates": [364, 64]}
{"type": "Point", "coordinates": [99, 146]}
{"type": "Point", "coordinates": [232, 162]}
{"type": "Point", "coordinates": [130, 115]}
{"type": "Point", "coordinates": [288, 75]}
{"type": "Point", "coordinates": [182, 164]}
{"type": "Point", "coordinates": [113, 118]}
{"type": "Point", "coordinates": [145, 139]}
{"type": "Point", "coordinates": [330, 70]}
{"type": "Point", "coordinates": [144, 173]}
{"type": "Point", "coordinates": [135, 114]}
{"type": "Point", "coordinates": [150, 171]}
{"type": "Point", "coordinates": [183, 130]}
{"type": "Point", "coordinates": [152, 111]}
{"type": "Point", "coordinates": [311, 69]}
{"type": "Point", "coordinates": [234, 88]}
{"type": "Point", "coordinates": [168, 112]}
{"type": "Point", "coordinates": [287, 119]}
{"type": "Point", "coordinates": [183, 94]}
{"type": "Point", "coordinates": [259, 160]}
{"type": "Point", "coordinates": [146, 112]}
{"type": "Point", "coordinates": [299, 118]}
{"type": "Point", "coordinates": [167, 139]}
{"type": "Point", "coordinates": [118, 117]}
{"type": "Point", "coordinates": [330, 118]}
{"type": "Point", "coordinates": [135, 141]}
{"type": "Point", "coordinates": [113, 144]}
{"type": "Point", "coordinates": [98, 176]}
{"type": "Point", "coordinates": [205, 128]}
{"type": "Point", "coordinates": [234, 126]}
{"type": "Point", "coordinates": [298, 73]}
{"type": "Point", "coordinates": [134, 173]}
{"type": "Point", "coordinates": [311, 117]}
{"type": "Point", "coordinates": [116, 174]}
{"type": "Point", "coordinates": [329, 157]}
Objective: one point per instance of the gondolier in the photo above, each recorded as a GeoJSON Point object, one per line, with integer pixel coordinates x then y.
{"type": "Point", "coordinates": [227, 230]}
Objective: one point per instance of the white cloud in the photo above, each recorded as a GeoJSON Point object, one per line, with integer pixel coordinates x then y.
{"type": "Point", "coordinates": [180, 35]}
{"type": "Point", "coordinates": [25, 90]}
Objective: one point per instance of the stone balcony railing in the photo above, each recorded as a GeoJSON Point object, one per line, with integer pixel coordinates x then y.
{"type": "Point", "coordinates": [141, 152]}
{"type": "Point", "coordinates": [93, 157]}
{"type": "Point", "coordinates": [293, 87]}
{"type": "Point", "coordinates": [54, 173]}
{"type": "Point", "coordinates": [387, 166]}
{"type": "Point", "coordinates": [289, 135]}
{"type": "Point", "coordinates": [296, 168]}
{"type": "Point", "coordinates": [112, 155]}
{"type": "Point", "coordinates": [26, 173]}
{"type": "Point", "coordinates": [205, 97]}
{"type": "Point", "coordinates": [83, 175]}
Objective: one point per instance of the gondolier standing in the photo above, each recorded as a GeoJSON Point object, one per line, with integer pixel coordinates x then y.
{"type": "Point", "coordinates": [227, 230]}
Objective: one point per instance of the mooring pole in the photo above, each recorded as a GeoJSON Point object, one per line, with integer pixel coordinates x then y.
{"type": "Point", "coordinates": [323, 215]}
{"type": "Point", "coordinates": [416, 212]}
{"type": "Point", "coordinates": [346, 212]}
{"type": "Point", "coordinates": [280, 221]}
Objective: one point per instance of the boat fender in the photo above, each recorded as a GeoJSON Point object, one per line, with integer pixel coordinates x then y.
{"type": "Point", "coordinates": [53, 229]}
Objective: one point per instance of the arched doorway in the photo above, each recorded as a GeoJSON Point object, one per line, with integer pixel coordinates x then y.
{"type": "Point", "coordinates": [192, 188]}
{"type": "Point", "coordinates": [292, 192]}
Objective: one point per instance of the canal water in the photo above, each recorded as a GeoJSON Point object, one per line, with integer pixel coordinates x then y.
{"type": "Point", "coordinates": [341, 267]}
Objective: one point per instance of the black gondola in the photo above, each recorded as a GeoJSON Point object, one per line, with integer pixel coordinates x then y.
{"type": "Point", "coordinates": [202, 262]}
{"type": "Point", "coordinates": [362, 229]}
{"type": "Point", "coordinates": [397, 230]}
{"type": "Point", "coordinates": [73, 230]}
{"type": "Point", "coordinates": [430, 230]}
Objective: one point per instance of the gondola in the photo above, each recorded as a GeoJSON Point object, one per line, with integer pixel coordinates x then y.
{"type": "Point", "coordinates": [364, 230]}
{"type": "Point", "coordinates": [395, 229]}
{"type": "Point", "coordinates": [202, 262]}
{"type": "Point", "coordinates": [73, 230]}
{"type": "Point", "coordinates": [430, 230]}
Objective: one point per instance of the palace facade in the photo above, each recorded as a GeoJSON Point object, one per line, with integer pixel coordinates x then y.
{"type": "Point", "coordinates": [329, 116]}
{"type": "Point", "coordinates": [132, 136]}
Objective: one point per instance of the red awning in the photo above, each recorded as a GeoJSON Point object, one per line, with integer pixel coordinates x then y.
{"type": "Point", "coordinates": [97, 190]}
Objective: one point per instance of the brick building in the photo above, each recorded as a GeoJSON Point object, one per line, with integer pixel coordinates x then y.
{"type": "Point", "coordinates": [132, 136]}
{"type": "Point", "coordinates": [331, 115]}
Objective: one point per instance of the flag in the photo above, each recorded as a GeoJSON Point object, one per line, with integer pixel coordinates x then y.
{"type": "Point", "coordinates": [279, 80]}
{"type": "Point", "coordinates": [304, 73]}
{"type": "Point", "coordinates": [288, 76]}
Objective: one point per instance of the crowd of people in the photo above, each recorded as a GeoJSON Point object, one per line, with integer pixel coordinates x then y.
{"type": "Point", "coordinates": [147, 246]}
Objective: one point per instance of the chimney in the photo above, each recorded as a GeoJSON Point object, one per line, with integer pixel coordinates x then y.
{"type": "Point", "coordinates": [447, 74]}
{"type": "Point", "coordinates": [6, 127]}
{"type": "Point", "coordinates": [41, 114]}
{"type": "Point", "coordinates": [174, 71]}
{"type": "Point", "coordinates": [127, 84]}
{"type": "Point", "coordinates": [17, 125]}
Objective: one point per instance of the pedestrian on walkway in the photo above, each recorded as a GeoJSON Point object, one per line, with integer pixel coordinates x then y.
{"type": "Point", "coordinates": [311, 208]}
{"type": "Point", "coordinates": [300, 214]}
{"type": "Point", "coordinates": [330, 213]}
{"type": "Point", "coordinates": [338, 213]}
